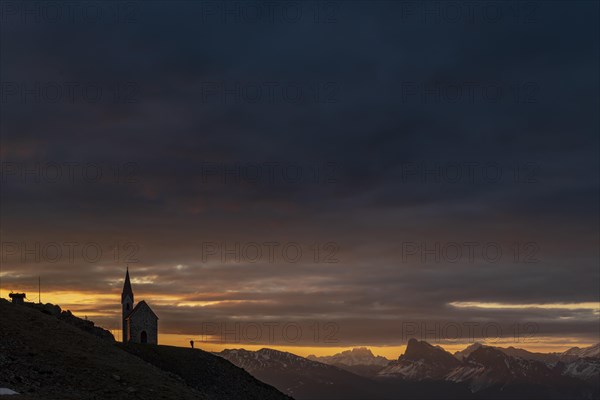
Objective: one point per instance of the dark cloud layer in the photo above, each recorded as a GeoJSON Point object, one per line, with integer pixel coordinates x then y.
{"type": "Point", "coordinates": [371, 130]}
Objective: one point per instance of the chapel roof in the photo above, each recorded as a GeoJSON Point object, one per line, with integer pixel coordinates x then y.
{"type": "Point", "coordinates": [140, 305]}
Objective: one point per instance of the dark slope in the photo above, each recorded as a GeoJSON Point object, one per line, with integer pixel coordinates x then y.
{"type": "Point", "coordinates": [204, 371]}
{"type": "Point", "coordinates": [44, 357]}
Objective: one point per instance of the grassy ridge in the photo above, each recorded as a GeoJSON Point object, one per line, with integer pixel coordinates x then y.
{"type": "Point", "coordinates": [44, 357]}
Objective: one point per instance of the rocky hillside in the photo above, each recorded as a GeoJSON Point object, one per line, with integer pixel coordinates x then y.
{"type": "Point", "coordinates": [68, 317]}
{"type": "Point", "coordinates": [44, 356]}
{"type": "Point", "coordinates": [205, 372]}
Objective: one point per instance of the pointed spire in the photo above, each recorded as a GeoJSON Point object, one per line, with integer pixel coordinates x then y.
{"type": "Point", "coordinates": [127, 291]}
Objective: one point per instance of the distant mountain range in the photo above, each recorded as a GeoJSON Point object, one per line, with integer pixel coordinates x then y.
{"type": "Point", "coordinates": [421, 361]}
{"type": "Point", "coordinates": [360, 361]}
{"type": "Point", "coordinates": [493, 369]}
{"type": "Point", "coordinates": [427, 371]}
{"type": "Point", "coordinates": [572, 354]}
{"type": "Point", "coordinates": [358, 356]}
{"type": "Point", "coordinates": [300, 377]}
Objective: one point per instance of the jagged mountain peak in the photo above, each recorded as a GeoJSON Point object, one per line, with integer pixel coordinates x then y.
{"type": "Point", "coordinates": [421, 361]}
{"type": "Point", "coordinates": [462, 354]}
{"type": "Point", "coordinates": [360, 350]}
{"type": "Point", "coordinates": [585, 352]}
{"type": "Point", "coordinates": [359, 356]}
{"type": "Point", "coordinates": [487, 355]}
{"type": "Point", "coordinates": [421, 350]}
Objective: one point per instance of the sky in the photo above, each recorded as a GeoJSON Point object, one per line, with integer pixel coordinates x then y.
{"type": "Point", "coordinates": [310, 176]}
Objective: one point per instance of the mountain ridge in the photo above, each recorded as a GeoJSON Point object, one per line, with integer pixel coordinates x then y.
{"type": "Point", "coordinates": [44, 356]}
{"type": "Point", "coordinates": [484, 368]}
{"type": "Point", "coordinates": [355, 356]}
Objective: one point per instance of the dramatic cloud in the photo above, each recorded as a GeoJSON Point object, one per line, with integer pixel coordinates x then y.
{"type": "Point", "coordinates": [371, 165]}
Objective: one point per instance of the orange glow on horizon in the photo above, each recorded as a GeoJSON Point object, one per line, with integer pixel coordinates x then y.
{"type": "Point", "coordinates": [542, 345]}
{"type": "Point", "coordinates": [82, 304]}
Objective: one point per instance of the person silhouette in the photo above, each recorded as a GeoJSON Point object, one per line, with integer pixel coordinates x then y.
{"type": "Point", "coordinates": [192, 343]}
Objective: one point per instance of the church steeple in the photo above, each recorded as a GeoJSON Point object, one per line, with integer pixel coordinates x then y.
{"type": "Point", "coordinates": [127, 305]}
{"type": "Point", "coordinates": [127, 291]}
{"type": "Point", "coordinates": [140, 323]}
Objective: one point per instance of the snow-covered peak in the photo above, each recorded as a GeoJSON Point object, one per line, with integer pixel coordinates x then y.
{"type": "Point", "coordinates": [462, 354]}
{"type": "Point", "coordinates": [586, 352]}
{"type": "Point", "coordinates": [356, 356]}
